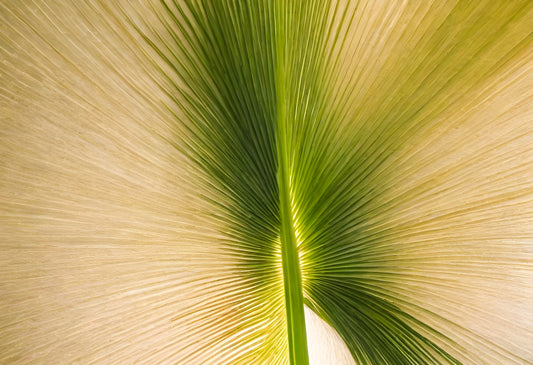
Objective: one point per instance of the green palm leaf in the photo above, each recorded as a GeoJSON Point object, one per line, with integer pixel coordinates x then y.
{"type": "Point", "coordinates": [266, 182]}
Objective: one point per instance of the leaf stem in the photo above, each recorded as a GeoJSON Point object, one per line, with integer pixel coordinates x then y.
{"type": "Point", "coordinates": [298, 353]}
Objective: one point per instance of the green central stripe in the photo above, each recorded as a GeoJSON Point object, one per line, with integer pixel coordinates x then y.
{"type": "Point", "coordinates": [292, 277]}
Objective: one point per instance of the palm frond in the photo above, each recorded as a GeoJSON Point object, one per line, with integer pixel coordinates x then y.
{"type": "Point", "coordinates": [266, 182]}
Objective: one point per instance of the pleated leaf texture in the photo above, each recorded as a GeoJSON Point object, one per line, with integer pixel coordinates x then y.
{"type": "Point", "coordinates": [266, 182]}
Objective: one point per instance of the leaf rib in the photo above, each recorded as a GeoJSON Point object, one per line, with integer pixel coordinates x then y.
{"type": "Point", "coordinates": [292, 278]}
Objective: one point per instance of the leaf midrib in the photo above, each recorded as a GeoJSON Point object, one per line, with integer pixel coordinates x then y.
{"type": "Point", "coordinates": [292, 280]}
